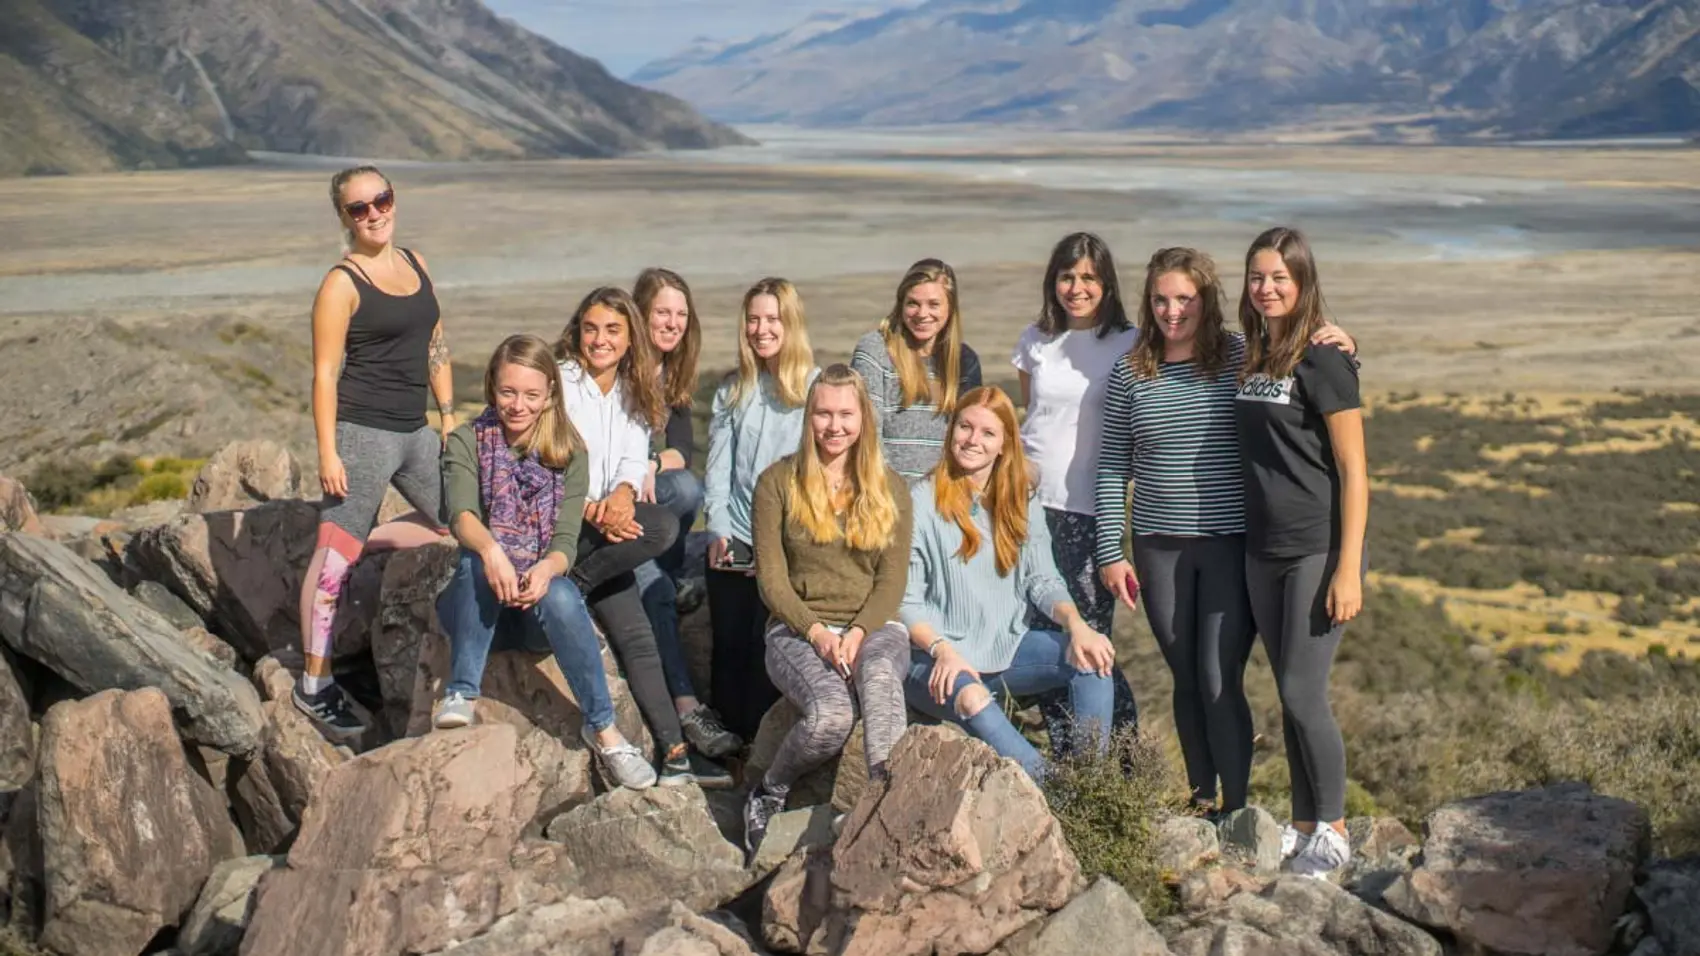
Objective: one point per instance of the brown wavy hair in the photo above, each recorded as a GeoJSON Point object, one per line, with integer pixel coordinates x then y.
{"type": "Point", "coordinates": [1277, 358]}
{"type": "Point", "coordinates": [552, 436]}
{"type": "Point", "coordinates": [1006, 493]}
{"type": "Point", "coordinates": [947, 347]}
{"type": "Point", "coordinates": [637, 367]}
{"type": "Point", "coordinates": [1211, 344]}
{"type": "Point", "coordinates": [868, 503]}
{"type": "Point", "coordinates": [678, 367]}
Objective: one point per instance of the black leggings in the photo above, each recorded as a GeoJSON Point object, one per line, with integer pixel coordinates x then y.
{"type": "Point", "coordinates": [738, 683]}
{"type": "Point", "coordinates": [1194, 594]}
{"type": "Point", "coordinates": [1289, 599]}
{"type": "Point", "coordinates": [603, 572]}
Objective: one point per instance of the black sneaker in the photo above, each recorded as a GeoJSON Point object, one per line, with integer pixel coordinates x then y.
{"type": "Point", "coordinates": [330, 709]}
{"type": "Point", "coordinates": [708, 735]}
{"type": "Point", "coordinates": [690, 767]}
{"type": "Point", "coordinates": [760, 809]}
{"type": "Point", "coordinates": [689, 595]}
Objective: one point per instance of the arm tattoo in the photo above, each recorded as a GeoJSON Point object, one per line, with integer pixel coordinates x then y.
{"type": "Point", "coordinates": [439, 349]}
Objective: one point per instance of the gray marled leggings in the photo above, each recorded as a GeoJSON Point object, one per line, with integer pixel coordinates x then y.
{"type": "Point", "coordinates": [829, 707]}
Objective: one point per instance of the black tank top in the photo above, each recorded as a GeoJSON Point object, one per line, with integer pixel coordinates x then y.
{"type": "Point", "coordinates": [386, 361]}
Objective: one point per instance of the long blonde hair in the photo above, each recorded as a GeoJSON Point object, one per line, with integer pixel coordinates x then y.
{"type": "Point", "coordinates": [868, 502]}
{"type": "Point", "coordinates": [637, 368]}
{"type": "Point", "coordinates": [947, 347]}
{"type": "Point", "coordinates": [1146, 356]}
{"type": "Point", "coordinates": [678, 367]}
{"type": "Point", "coordinates": [1278, 358]}
{"type": "Point", "coordinates": [1006, 493]}
{"type": "Point", "coordinates": [552, 436]}
{"type": "Point", "coordinates": [796, 358]}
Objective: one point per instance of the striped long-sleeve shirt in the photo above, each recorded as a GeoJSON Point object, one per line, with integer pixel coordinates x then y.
{"type": "Point", "coordinates": [982, 614]}
{"type": "Point", "coordinates": [911, 436]}
{"type": "Point", "coordinates": [1174, 436]}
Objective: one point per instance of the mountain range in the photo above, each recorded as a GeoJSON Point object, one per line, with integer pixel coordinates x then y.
{"type": "Point", "coordinates": [1428, 68]}
{"type": "Point", "coordinates": [116, 84]}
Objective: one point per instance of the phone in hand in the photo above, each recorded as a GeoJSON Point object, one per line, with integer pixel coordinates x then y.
{"type": "Point", "coordinates": [739, 556]}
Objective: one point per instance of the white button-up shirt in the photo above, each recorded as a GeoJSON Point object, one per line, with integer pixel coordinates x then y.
{"type": "Point", "coordinates": [617, 443]}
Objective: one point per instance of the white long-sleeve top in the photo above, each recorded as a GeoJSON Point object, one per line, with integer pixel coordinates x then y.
{"type": "Point", "coordinates": [616, 443]}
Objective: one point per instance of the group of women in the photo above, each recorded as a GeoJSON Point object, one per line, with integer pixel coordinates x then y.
{"type": "Point", "coordinates": [885, 536]}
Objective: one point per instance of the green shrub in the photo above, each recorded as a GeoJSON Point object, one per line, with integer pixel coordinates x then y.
{"type": "Point", "coordinates": [1109, 808]}
{"type": "Point", "coordinates": [162, 487]}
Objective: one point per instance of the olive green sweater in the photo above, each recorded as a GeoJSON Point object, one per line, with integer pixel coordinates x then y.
{"type": "Point", "coordinates": [461, 491]}
{"type": "Point", "coordinates": [804, 583]}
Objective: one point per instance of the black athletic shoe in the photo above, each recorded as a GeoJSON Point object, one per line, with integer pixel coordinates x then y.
{"type": "Point", "coordinates": [760, 809]}
{"type": "Point", "coordinates": [708, 734]}
{"type": "Point", "coordinates": [691, 767]}
{"type": "Point", "coordinates": [330, 709]}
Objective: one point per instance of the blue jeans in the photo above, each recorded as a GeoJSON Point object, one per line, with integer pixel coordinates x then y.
{"type": "Point", "coordinates": [1040, 664]}
{"type": "Point", "coordinates": [559, 622]}
{"type": "Point", "coordinates": [680, 492]}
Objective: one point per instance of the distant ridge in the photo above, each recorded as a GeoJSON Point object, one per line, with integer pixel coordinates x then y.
{"type": "Point", "coordinates": [97, 85]}
{"type": "Point", "coordinates": [1400, 68]}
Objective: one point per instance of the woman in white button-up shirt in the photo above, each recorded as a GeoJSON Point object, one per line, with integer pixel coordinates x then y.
{"type": "Point", "coordinates": [614, 399]}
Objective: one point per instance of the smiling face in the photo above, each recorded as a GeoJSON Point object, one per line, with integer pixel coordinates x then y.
{"type": "Point", "coordinates": [835, 420]}
{"type": "Point", "coordinates": [521, 395]}
{"type": "Point", "coordinates": [763, 328]}
{"type": "Point", "coordinates": [976, 441]}
{"type": "Point", "coordinates": [1080, 290]}
{"type": "Point", "coordinates": [669, 318]}
{"type": "Point", "coordinates": [604, 339]}
{"type": "Point", "coordinates": [926, 310]}
{"type": "Point", "coordinates": [1177, 306]}
{"type": "Point", "coordinates": [1270, 285]}
{"type": "Point", "coordinates": [377, 227]}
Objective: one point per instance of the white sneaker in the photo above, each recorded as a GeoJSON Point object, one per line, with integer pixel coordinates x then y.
{"type": "Point", "coordinates": [1325, 852]}
{"type": "Point", "coordinates": [1292, 841]}
{"type": "Point", "coordinates": [455, 712]}
{"type": "Point", "coordinates": [622, 762]}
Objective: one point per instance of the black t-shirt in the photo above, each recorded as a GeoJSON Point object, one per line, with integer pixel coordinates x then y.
{"type": "Point", "coordinates": [1292, 487]}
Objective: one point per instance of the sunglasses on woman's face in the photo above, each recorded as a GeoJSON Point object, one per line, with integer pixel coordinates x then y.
{"type": "Point", "coordinates": [381, 203]}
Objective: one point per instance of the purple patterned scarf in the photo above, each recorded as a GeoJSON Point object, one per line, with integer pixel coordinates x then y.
{"type": "Point", "coordinates": [520, 496]}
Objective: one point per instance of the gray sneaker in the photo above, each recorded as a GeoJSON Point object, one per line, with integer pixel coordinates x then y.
{"type": "Point", "coordinates": [622, 763]}
{"type": "Point", "coordinates": [456, 711]}
{"type": "Point", "coordinates": [1325, 852]}
{"type": "Point", "coordinates": [708, 735]}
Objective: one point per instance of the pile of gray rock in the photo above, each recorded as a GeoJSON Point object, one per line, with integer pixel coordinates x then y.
{"type": "Point", "coordinates": [160, 794]}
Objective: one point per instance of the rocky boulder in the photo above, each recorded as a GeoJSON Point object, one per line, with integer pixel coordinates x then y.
{"type": "Point", "coordinates": [1670, 892]}
{"type": "Point", "coordinates": [953, 852]}
{"type": "Point", "coordinates": [1251, 837]}
{"type": "Point", "coordinates": [411, 847]}
{"type": "Point", "coordinates": [605, 925]}
{"type": "Point", "coordinates": [645, 847]}
{"type": "Point", "coordinates": [220, 917]}
{"type": "Point", "coordinates": [245, 473]}
{"type": "Point", "coordinates": [1186, 843]}
{"type": "Point", "coordinates": [241, 571]}
{"type": "Point", "coordinates": [58, 610]}
{"type": "Point", "coordinates": [406, 622]}
{"type": "Point", "coordinates": [129, 831]}
{"type": "Point", "coordinates": [270, 791]}
{"type": "Point", "coordinates": [1538, 872]}
{"type": "Point", "coordinates": [17, 508]}
{"type": "Point", "coordinates": [1299, 916]}
{"type": "Point", "coordinates": [17, 736]}
{"type": "Point", "coordinates": [1103, 921]}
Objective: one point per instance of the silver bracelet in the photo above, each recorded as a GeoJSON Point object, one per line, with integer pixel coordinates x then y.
{"type": "Point", "coordinates": [933, 648]}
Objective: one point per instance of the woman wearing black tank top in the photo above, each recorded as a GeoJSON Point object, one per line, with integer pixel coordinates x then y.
{"type": "Point", "coordinates": [375, 319]}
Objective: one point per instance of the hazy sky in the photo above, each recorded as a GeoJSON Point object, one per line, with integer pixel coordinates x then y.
{"type": "Point", "coordinates": [625, 34]}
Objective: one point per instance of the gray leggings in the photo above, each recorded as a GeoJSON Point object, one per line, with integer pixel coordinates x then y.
{"type": "Point", "coordinates": [1194, 592]}
{"type": "Point", "coordinates": [829, 706]}
{"type": "Point", "coordinates": [374, 459]}
{"type": "Point", "coordinates": [1289, 600]}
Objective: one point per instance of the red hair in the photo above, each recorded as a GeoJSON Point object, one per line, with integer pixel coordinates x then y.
{"type": "Point", "coordinates": [1006, 493]}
